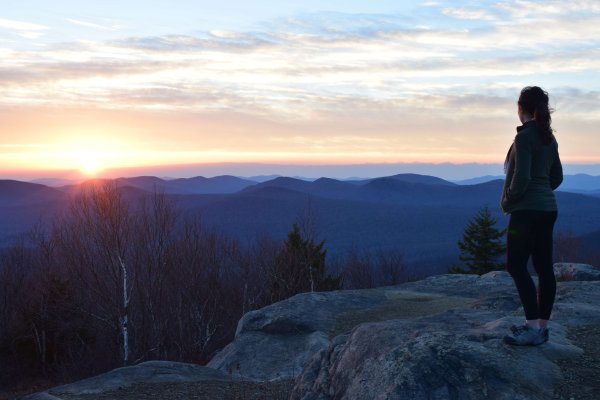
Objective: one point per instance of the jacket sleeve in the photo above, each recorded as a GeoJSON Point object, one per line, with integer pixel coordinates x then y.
{"type": "Point", "coordinates": [522, 175]}
{"type": "Point", "coordinates": [556, 173]}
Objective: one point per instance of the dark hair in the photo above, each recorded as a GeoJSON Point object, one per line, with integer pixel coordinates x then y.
{"type": "Point", "coordinates": [534, 101]}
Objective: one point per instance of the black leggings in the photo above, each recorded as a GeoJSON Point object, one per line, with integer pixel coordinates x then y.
{"type": "Point", "coordinates": [530, 234]}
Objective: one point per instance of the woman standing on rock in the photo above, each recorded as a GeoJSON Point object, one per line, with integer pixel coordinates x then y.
{"type": "Point", "coordinates": [533, 170]}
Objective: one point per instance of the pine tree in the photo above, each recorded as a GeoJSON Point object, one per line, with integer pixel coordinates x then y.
{"type": "Point", "coordinates": [481, 245]}
{"type": "Point", "coordinates": [300, 267]}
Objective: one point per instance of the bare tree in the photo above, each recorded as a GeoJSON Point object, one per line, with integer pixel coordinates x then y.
{"type": "Point", "coordinates": [154, 260]}
{"type": "Point", "coordinates": [362, 269]}
{"type": "Point", "coordinates": [359, 270]}
{"type": "Point", "coordinates": [123, 277]}
{"type": "Point", "coordinates": [204, 292]}
{"type": "Point", "coordinates": [567, 247]}
{"type": "Point", "coordinates": [256, 265]}
{"type": "Point", "coordinates": [391, 267]}
{"type": "Point", "coordinates": [95, 241]}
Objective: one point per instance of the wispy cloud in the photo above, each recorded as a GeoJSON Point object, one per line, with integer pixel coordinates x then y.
{"type": "Point", "coordinates": [11, 146]}
{"type": "Point", "coordinates": [26, 30]}
{"type": "Point", "coordinates": [20, 25]}
{"type": "Point", "coordinates": [93, 25]}
{"type": "Point", "coordinates": [370, 73]}
{"type": "Point", "coordinates": [528, 8]}
{"type": "Point", "coordinates": [469, 13]}
{"type": "Point", "coordinates": [274, 73]}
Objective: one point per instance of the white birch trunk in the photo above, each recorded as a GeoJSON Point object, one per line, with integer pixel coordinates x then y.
{"type": "Point", "coordinates": [125, 316]}
{"type": "Point", "coordinates": [312, 281]}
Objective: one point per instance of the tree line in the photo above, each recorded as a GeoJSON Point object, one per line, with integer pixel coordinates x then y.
{"type": "Point", "coordinates": [482, 247]}
{"type": "Point", "coordinates": [116, 280]}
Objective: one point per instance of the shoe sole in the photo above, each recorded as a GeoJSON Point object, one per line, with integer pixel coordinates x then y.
{"type": "Point", "coordinates": [513, 342]}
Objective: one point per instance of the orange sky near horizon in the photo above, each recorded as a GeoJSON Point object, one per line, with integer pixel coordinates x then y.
{"type": "Point", "coordinates": [336, 83]}
{"type": "Point", "coordinates": [94, 141]}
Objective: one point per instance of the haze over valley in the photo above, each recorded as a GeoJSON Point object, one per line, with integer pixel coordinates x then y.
{"type": "Point", "coordinates": [422, 217]}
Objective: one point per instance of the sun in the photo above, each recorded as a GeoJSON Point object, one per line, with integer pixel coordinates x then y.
{"type": "Point", "coordinates": [89, 162]}
{"type": "Point", "coordinates": [89, 167]}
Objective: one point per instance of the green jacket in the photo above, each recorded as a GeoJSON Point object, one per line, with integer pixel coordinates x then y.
{"type": "Point", "coordinates": [533, 172]}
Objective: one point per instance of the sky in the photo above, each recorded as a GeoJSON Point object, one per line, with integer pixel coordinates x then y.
{"type": "Point", "coordinates": [97, 86]}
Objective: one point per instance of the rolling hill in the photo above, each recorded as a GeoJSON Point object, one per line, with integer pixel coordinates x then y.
{"type": "Point", "coordinates": [423, 217]}
{"type": "Point", "coordinates": [23, 205]}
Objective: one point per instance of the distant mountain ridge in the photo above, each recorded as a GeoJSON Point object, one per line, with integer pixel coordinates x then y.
{"type": "Point", "coordinates": [397, 189]}
{"type": "Point", "coordinates": [479, 179]}
{"type": "Point", "coordinates": [17, 193]}
{"type": "Point", "coordinates": [578, 183]}
{"type": "Point", "coordinates": [195, 185]}
{"type": "Point", "coordinates": [418, 215]}
{"type": "Point", "coordinates": [23, 205]}
{"type": "Point", "coordinates": [581, 183]}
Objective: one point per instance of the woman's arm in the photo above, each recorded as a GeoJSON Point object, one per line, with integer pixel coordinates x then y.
{"type": "Point", "coordinates": [522, 175]}
{"type": "Point", "coordinates": [556, 172]}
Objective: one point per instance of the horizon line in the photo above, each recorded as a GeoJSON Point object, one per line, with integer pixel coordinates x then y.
{"type": "Point", "coordinates": [445, 170]}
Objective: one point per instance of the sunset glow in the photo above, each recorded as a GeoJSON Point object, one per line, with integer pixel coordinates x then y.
{"type": "Point", "coordinates": [127, 85]}
{"type": "Point", "coordinates": [89, 162]}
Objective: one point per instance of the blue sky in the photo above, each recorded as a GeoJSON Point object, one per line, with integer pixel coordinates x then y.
{"type": "Point", "coordinates": [99, 85]}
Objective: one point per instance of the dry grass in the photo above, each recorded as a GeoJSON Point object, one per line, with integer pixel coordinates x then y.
{"type": "Point", "coordinates": [581, 375]}
{"type": "Point", "coordinates": [400, 305]}
{"type": "Point", "coordinates": [209, 390]}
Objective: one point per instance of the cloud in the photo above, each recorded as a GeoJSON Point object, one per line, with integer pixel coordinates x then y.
{"type": "Point", "coordinates": [93, 25]}
{"type": "Point", "coordinates": [524, 9]}
{"type": "Point", "coordinates": [318, 65]}
{"type": "Point", "coordinates": [20, 25]}
{"type": "Point", "coordinates": [469, 14]}
{"type": "Point", "coordinates": [25, 30]}
{"type": "Point", "coordinates": [11, 146]}
{"type": "Point", "coordinates": [576, 102]}
{"type": "Point", "coordinates": [333, 142]}
{"type": "Point", "coordinates": [219, 41]}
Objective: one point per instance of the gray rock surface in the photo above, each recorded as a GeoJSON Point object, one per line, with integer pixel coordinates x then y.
{"type": "Point", "coordinates": [457, 354]}
{"type": "Point", "coordinates": [576, 272]}
{"type": "Point", "coordinates": [147, 372]}
{"type": "Point", "coordinates": [438, 338]}
{"type": "Point", "coordinates": [277, 341]}
{"type": "Point", "coordinates": [41, 396]}
{"type": "Point", "coordinates": [452, 355]}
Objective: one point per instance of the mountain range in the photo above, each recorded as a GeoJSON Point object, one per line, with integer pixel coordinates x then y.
{"type": "Point", "coordinates": [577, 183]}
{"type": "Point", "coordinates": [420, 216]}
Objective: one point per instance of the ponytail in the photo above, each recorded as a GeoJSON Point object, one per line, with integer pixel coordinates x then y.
{"type": "Point", "coordinates": [533, 100]}
{"type": "Point", "coordinates": [543, 120]}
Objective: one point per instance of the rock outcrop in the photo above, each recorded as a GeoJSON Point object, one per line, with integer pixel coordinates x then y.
{"type": "Point", "coordinates": [120, 378]}
{"type": "Point", "coordinates": [277, 341]}
{"type": "Point", "coordinates": [576, 272]}
{"type": "Point", "coordinates": [438, 338]}
{"type": "Point", "coordinates": [447, 356]}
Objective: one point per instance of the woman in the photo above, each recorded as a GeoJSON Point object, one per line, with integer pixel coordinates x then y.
{"type": "Point", "coordinates": [533, 171]}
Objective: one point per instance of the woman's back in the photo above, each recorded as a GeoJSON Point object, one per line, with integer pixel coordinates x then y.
{"type": "Point", "coordinates": [533, 172]}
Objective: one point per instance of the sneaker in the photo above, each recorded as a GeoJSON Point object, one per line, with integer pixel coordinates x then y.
{"type": "Point", "coordinates": [545, 334]}
{"type": "Point", "coordinates": [526, 336]}
{"type": "Point", "coordinates": [516, 329]}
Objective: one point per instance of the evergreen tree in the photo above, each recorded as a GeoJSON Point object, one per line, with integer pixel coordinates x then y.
{"type": "Point", "coordinates": [300, 267]}
{"type": "Point", "coordinates": [481, 245]}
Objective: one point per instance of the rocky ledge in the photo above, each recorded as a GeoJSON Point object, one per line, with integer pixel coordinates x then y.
{"type": "Point", "coordinates": [438, 338]}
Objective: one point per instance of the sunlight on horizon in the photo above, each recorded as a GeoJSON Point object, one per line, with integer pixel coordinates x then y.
{"type": "Point", "coordinates": [102, 161]}
{"type": "Point", "coordinates": [90, 163]}
{"type": "Point", "coordinates": [116, 86]}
